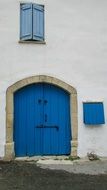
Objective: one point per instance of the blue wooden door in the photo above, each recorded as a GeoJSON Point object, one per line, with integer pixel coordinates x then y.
{"type": "Point", "coordinates": [42, 121]}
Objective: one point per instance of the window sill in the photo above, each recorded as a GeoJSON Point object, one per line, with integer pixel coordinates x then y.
{"type": "Point", "coordinates": [32, 42]}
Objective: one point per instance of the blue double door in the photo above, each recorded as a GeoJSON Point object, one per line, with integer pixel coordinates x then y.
{"type": "Point", "coordinates": [42, 121]}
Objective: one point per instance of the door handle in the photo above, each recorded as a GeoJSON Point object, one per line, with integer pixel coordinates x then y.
{"type": "Point", "coordinates": [45, 126]}
{"type": "Point", "coordinates": [40, 126]}
{"type": "Point", "coordinates": [53, 126]}
{"type": "Point", "coordinates": [45, 101]}
{"type": "Point", "coordinates": [39, 101]}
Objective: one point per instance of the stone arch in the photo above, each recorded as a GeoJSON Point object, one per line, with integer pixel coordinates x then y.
{"type": "Point", "coordinates": [9, 147]}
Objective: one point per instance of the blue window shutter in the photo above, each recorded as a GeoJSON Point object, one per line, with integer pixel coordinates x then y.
{"type": "Point", "coordinates": [38, 22]}
{"type": "Point", "coordinates": [93, 113]}
{"type": "Point", "coordinates": [26, 21]}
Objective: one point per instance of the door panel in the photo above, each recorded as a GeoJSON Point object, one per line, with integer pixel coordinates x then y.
{"type": "Point", "coordinates": [57, 126]}
{"type": "Point", "coordinates": [38, 119]}
{"type": "Point", "coordinates": [23, 121]}
{"type": "Point", "coordinates": [51, 110]}
{"type": "Point", "coordinates": [42, 120]}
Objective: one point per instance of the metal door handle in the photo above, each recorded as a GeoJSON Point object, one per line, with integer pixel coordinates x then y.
{"type": "Point", "coordinates": [45, 101]}
{"type": "Point", "coordinates": [47, 126]}
{"type": "Point", "coordinates": [40, 126]}
{"type": "Point", "coordinates": [39, 101]}
{"type": "Point", "coordinates": [52, 126]}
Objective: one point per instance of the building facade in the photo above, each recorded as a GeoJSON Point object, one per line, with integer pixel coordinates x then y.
{"type": "Point", "coordinates": [68, 66]}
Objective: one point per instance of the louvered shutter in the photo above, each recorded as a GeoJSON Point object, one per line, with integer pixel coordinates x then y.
{"type": "Point", "coordinates": [26, 21]}
{"type": "Point", "coordinates": [38, 22]}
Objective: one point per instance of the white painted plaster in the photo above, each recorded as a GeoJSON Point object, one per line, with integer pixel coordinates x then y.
{"type": "Point", "coordinates": [75, 52]}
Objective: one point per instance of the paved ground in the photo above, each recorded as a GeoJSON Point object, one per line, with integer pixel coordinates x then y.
{"type": "Point", "coordinates": [36, 175]}
{"type": "Point", "coordinates": [77, 166]}
{"type": "Point", "coordinates": [82, 166]}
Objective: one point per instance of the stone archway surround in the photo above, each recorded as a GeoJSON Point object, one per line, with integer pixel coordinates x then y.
{"type": "Point", "coordinates": [9, 147]}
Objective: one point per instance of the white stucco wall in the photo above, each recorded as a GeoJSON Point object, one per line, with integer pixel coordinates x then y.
{"type": "Point", "coordinates": [75, 52]}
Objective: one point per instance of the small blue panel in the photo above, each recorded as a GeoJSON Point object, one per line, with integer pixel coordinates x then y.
{"type": "Point", "coordinates": [93, 113]}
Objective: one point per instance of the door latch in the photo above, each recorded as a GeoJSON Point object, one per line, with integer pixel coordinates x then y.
{"type": "Point", "coordinates": [39, 101]}
{"type": "Point", "coordinates": [46, 117]}
{"type": "Point", "coordinates": [45, 101]}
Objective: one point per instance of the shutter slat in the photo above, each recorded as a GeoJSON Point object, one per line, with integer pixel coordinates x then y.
{"type": "Point", "coordinates": [26, 21]}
